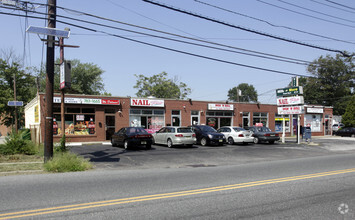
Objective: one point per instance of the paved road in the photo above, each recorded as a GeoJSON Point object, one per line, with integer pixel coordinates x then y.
{"type": "Point", "coordinates": [319, 187]}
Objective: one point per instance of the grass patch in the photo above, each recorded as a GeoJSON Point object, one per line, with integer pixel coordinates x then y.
{"type": "Point", "coordinates": [67, 162]}
{"type": "Point", "coordinates": [21, 167]}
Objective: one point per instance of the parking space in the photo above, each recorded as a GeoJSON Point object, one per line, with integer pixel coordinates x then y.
{"type": "Point", "coordinates": [160, 156]}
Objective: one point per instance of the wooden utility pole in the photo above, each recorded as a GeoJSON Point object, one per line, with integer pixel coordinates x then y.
{"type": "Point", "coordinates": [62, 91]}
{"type": "Point", "coordinates": [48, 136]}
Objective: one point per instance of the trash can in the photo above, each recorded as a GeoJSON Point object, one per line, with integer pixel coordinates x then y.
{"type": "Point", "coordinates": [307, 134]}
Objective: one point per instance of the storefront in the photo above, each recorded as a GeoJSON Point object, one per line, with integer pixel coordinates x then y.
{"type": "Point", "coordinates": [96, 118]}
{"type": "Point", "coordinates": [219, 115]}
{"type": "Point", "coordinates": [147, 113]}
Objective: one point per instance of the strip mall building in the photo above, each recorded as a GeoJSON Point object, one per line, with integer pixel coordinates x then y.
{"type": "Point", "coordinates": [96, 118]}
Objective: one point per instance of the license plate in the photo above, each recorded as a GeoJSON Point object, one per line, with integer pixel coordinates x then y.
{"type": "Point", "coordinates": [220, 140]}
{"type": "Point", "coordinates": [143, 142]}
{"type": "Point", "coordinates": [187, 136]}
{"type": "Point", "coordinates": [272, 135]}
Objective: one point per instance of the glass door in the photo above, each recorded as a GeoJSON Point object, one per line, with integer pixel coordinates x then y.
{"type": "Point", "coordinates": [110, 126]}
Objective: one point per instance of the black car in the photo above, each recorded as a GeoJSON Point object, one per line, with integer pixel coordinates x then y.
{"type": "Point", "coordinates": [263, 134]}
{"type": "Point", "coordinates": [348, 132]}
{"type": "Point", "coordinates": [206, 135]}
{"type": "Point", "coordinates": [132, 136]}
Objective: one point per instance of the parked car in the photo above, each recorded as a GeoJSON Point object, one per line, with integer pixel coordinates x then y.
{"type": "Point", "coordinates": [263, 134]}
{"type": "Point", "coordinates": [336, 127]}
{"type": "Point", "coordinates": [132, 136]}
{"type": "Point", "coordinates": [348, 132]}
{"type": "Point", "coordinates": [206, 135]}
{"type": "Point", "coordinates": [175, 136]}
{"type": "Point", "coordinates": [236, 135]}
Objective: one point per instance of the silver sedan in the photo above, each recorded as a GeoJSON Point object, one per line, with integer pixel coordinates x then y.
{"type": "Point", "coordinates": [237, 135]}
{"type": "Point", "coordinates": [171, 136]}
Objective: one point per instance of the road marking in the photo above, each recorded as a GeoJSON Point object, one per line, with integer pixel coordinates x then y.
{"type": "Point", "coordinates": [90, 205]}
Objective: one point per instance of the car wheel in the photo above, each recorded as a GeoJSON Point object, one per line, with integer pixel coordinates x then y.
{"type": "Point", "coordinates": [230, 141]}
{"type": "Point", "coordinates": [203, 142]}
{"type": "Point", "coordinates": [353, 135]}
{"type": "Point", "coordinates": [148, 146]}
{"type": "Point", "coordinates": [125, 144]}
{"type": "Point", "coordinates": [170, 143]}
{"type": "Point", "coordinates": [256, 140]}
{"type": "Point", "coordinates": [271, 142]}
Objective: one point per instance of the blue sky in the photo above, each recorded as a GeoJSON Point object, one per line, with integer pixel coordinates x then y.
{"type": "Point", "coordinates": [210, 80]}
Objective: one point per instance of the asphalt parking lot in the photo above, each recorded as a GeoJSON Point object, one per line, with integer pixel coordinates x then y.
{"type": "Point", "coordinates": [104, 156]}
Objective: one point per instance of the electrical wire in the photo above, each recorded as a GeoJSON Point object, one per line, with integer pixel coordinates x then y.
{"type": "Point", "coordinates": [337, 3]}
{"type": "Point", "coordinates": [317, 12]}
{"type": "Point", "coordinates": [273, 25]}
{"type": "Point", "coordinates": [332, 6]}
{"type": "Point", "coordinates": [278, 58]}
{"type": "Point", "coordinates": [307, 15]}
{"type": "Point", "coordinates": [184, 52]}
{"type": "Point", "coordinates": [242, 28]}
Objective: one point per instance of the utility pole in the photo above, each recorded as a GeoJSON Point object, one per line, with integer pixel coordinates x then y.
{"type": "Point", "coordinates": [48, 136]}
{"type": "Point", "coordinates": [62, 107]}
{"type": "Point", "coordinates": [15, 99]}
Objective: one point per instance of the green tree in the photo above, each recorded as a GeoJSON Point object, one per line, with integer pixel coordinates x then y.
{"type": "Point", "coordinates": [349, 116]}
{"type": "Point", "coordinates": [25, 91]}
{"type": "Point", "coordinates": [86, 78]}
{"type": "Point", "coordinates": [332, 82]}
{"type": "Point", "coordinates": [160, 86]}
{"type": "Point", "coordinates": [248, 93]}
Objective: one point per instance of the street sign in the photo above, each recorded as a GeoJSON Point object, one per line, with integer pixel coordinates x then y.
{"type": "Point", "coordinates": [290, 91]}
{"type": "Point", "coordinates": [15, 103]}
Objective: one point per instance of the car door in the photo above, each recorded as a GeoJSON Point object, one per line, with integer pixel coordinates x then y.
{"type": "Point", "coordinates": [160, 135]}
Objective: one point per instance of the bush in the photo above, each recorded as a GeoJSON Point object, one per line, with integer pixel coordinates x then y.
{"type": "Point", "coordinates": [67, 162]}
{"type": "Point", "coordinates": [61, 147]}
{"type": "Point", "coordinates": [19, 143]}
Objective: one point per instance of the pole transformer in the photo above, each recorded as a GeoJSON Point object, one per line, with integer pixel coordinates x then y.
{"type": "Point", "coordinates": [48, 136]}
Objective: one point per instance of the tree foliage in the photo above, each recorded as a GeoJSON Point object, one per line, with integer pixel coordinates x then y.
{"type": "Point", "coordinates": [160, 86]}
{"type": "Point", "coordinates": [86, 78]}
{"type": "Point", "coordinates": [349, 116]}
{"type": "Point", "coordinates": [25, 91]}
{"type": "Point", "coordinates": [332, 83]}
{"type": "Point", "coordinates": [248, 93]}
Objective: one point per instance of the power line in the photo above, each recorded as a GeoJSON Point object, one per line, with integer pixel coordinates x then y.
{"type": "Point", "coordinates": [271, 24]}
{"type": "Point", "coordinates": [242, 28]}
{"type": "Point", "coordinates": [263, 55]}
{"type": "Point", "coordinates": [307, 15]}
{"type": "Point", "coordinates": [184, 52]}
{"type": "Point", "coordinates": [345, 6]}
{"type": "Point", "coordinates": [317, 12]}
{"type": "Point", "coordinates": [332, 6]}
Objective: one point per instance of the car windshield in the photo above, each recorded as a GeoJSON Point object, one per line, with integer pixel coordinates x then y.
{"type": "Point", "coordinates": [239, 129]}
{"type": "Point", "coordinates": [208, 129]}
{"type": "Point", "coordinates": [184, 130]}
{"type": "Point", "coordinates": [136, 131]}
{"type": "Point", "coordinates": [263, 129]}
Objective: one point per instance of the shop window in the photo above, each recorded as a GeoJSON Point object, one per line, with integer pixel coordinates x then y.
{"type": "Point", "coordinates": [56, 109]}
{"type": "Point", "coordinates": [194, 113]}
{"type": "Point", "coordinates": [88, 110]}
{"type": "Point", "coordinates": [73, 110]}
{"type": "Point", "coordinates": [147, 112]}
{"type": "Point", "coordinates": [279, 123]}
{"type": "Point", "coordinates": [175, 112]}
{"type": "Point", "coordinates": [109, 111]}
{"type": "Point", "coordinates": [158, 112]}
{"type": "Point", "coordinates": [135, 112]}
{"type": "Point", "coordinates": [260, 117]}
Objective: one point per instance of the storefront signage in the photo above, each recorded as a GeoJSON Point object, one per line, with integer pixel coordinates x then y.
{"type": "Point", "coordinates": [225, 107]}
{"type": "Point", "coordinates": [296, 90]}
{"type": "Point", "coordinates": [290, 110]}
{"type": "Point", "coordinates": [315, 110]}
{"type": "Point", "coordinates": [294, 100]}
{"type": "Point", "coordinates": [80, 117]}
{"type": "Point", "coordinates": [147, 102]}
{"type": "Point", "coordinates": [87, 101]}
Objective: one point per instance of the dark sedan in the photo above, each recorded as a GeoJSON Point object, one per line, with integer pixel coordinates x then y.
{"type": "Point", "coordinates": [206, 135]}
{"type": "Point", "coordinates": [132, 136]}
{"type": "Point", "coordinates": [346, 132]}
{"type": "Point", "coordinates": [263, 134]}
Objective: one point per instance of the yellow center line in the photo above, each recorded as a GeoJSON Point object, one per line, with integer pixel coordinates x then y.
{"type": "Point", "coordinates": [82, 206]}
